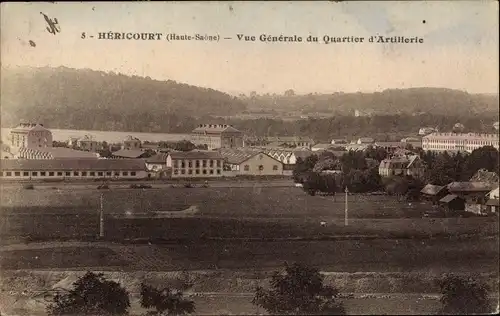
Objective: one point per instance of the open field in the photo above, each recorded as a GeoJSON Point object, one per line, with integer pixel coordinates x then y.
{"type": "Point", "coordinates": [249, 213]}
{"type": "Point", "coordinates": [385, 255]}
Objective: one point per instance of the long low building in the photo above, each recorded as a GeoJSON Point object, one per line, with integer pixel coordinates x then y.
{"type": "Point", "coordinates": [60, 169]}
{"type": "Point", "coordinates": [255, 163]}
{"type": "Point", "coordinates": [195, 164]}
{"type": "Point", "coordinates": [453, 142]}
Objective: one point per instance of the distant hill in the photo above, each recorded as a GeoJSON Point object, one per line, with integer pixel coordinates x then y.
{"type": "Point", "coordinates": [86, 99]}
{"type": "Point", "coordinates": [391, 101]}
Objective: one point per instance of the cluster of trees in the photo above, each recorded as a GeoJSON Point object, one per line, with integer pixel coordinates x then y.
{"type": "Point", "coordinates": [297, 290]}
{"type": "Point", "coordinates": [443, 168]}
{"type": "Point", "coordinates": [86, 99]}
{"type": "Point", "coordinates": [359, 171]}
{"type": "Point", "coordinates": [93, 100]}
{"type": "Point", "coordinates": [413, 100]}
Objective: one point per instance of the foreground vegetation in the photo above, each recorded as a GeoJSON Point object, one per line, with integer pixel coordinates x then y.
{"type": "Point", "coordinates": [295, 290]}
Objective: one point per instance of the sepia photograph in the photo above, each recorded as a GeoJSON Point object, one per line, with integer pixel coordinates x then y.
{"type": "Point", "coordinates": [249, 158]}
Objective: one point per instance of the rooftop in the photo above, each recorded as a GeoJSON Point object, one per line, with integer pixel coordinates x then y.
{"type": "Point", "coordinates": [57, 153]}
{"type": "Point", "coordinates": [238, 156]}
{"type": "Point", "coordinates": [483, 175]}
{"type": "Point", "coordinates": [73, 164]}
{"type": "Point", "coordinates": [215, 129]}
{"type": "Point", "coordinates": [470, 187]}
{"type": "Point", "coordinates": [196, 154]}
{"type": "Point", "coordinates": [289, 139]}
{"type": "Point", "coordinates": [160, 158]}
{"type": "Point", "coordinates": [129, 153]}
{"type": "Point", "coordinates": [26, 127]}
{"type": "Point", "coordinates": [431, 189]}
{"type": "Point", "coordinates": [462, 136]}
{"type": "Point", "coordinates": [448, 198]}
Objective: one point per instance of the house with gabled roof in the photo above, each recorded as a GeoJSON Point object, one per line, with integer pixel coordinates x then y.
{"type": "Point", "coordinates": [474, 194]}
{"type": "Point", "coordinates": [434, 193]}
{"type": "Point", "coordinates": [255, 163]}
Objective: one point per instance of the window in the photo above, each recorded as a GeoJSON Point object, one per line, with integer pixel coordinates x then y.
{"type": "Point", "coordinates": [68, 173]}
{"type": "Point", "coordinates": [108, 173]}
{"type": "Point", "coordinates": [261, 167]}
{"type": "Point", "coordinates": [59, 173]}
{"type": "Point", "coordinates": [183, 171]}
{"type": "Point", "coordinates": [132, 173]}
{"type": "Point", "coordinates": [42, 173]}
{"type": "Point", "coordinates": [76, 173]}
{"type": "Point", "coordinates": [92, 173]}
{"type": "Point", "coordinates": [176, 171]}
{"type": "Point", "coordinates": [190, 171]}
{"type": "Point", "coordinates": [125, 173]}
{"type": "Point", "coordinates": [218, 163]}
{"type": "Point", "coordinates": [8, 174]}
{"type": "Point", "coordinates": [246, 168]}
{"type": "Point", "coordinates": [197, 163]}
{"type": "Point", "coordinates": [34, 174]}
{"type": "Point", "coordinates": [211, 171]}
{"type": "Point", "coordinates": [117, 173]}
{"type": "Point", "coordinates": [204, 163]}
{"type": "Point", "coordinates": [190, 164]}
{"type": "Point", "coordinates": [26, 173]}
{"type": "Point", "coordinates": [197, 171]}
{"type": "Point", "coordinates": [84, 173]}
{"type": "Point", "coordinates": [211, 163]}
{"type": "Point", "coordinates": [51, 174]}
{"type": "Point", "coordinates": [183, 164]}
{"type": "Point", "coordinates": [204, 171]}
{"type": "Point", "coordinates": [218, 171]}
{"type": "Point", "coordinates": [275, 167]}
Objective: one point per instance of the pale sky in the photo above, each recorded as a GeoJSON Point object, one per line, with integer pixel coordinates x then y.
{"type": "Point", "coordinates": [460, 49]}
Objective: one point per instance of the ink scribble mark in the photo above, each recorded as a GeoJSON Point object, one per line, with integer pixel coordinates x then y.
{"type": "Point", "coordinates": [53, 27]}
{"type": "Point", "coordinates": [32, 44]}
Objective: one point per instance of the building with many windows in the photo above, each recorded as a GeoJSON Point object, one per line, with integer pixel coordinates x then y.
{"type": "Point", "coordinates": [402, 165]}
{"type": "Point", "coordinates": [249, 162]}
{"type": "Point", "coordinates": [453, 142]}
{"type": "Point", "coordinates": [30, 135]}
{"type": "Point", "coordinates": [217, 136]}
{"type": "Point", "coordinates": [195, 164]}
{"type": "Point", "coordinates": [62, 169]}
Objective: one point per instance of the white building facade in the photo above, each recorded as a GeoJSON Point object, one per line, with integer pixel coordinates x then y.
{"type": "Point", "coordinates": [30, 135]}
{"type": "Point", "coordinates": [454, 142]}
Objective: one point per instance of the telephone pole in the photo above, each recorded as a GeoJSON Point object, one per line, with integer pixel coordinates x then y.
{"type": "Point", "coordinates": [101, 218]}
{"type": "Point", "coordinates": [346, 221]}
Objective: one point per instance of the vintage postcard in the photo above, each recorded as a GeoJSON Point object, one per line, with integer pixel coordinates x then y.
{"type": "Point", "coordinates": [249, 158]}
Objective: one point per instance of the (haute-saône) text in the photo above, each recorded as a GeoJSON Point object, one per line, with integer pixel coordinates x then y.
{"type": "Point", "coordinates": [262, 38]}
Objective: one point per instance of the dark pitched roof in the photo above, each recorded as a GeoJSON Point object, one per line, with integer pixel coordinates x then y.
{"type": "Point", "coordinates": [493, 202]}
{"type": "Point", "coordinates": [448, 198]}
{"type": "Point", "coordinates": [235, 156]}
{"type": "Point", "coordinates": [72, 164]}
{"type": "Point", "coordinates": [57, 152]}
{"type": "Point", "coordinates": [470, 187]}
{"type": "Point", "coordinates": [431, 189]}
{"type": "Point", "coordinates": [158, 158]}
{"type": "Point", "coordinates": [196, 154]}
{"type": "Point", "coordinates": [129, 153]}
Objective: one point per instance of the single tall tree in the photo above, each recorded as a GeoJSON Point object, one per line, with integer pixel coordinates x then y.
{"type": "Point", "coordinates": [299, 291]}
{"type": "Point", "coordinates": [92, 294]}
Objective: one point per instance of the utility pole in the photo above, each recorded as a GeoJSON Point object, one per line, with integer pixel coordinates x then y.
{"type": "Point", "coordinates": [346, 207]}
{"type": "Point", "coordinates": [101, 219]}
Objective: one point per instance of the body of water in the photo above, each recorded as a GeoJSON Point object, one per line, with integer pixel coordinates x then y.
{"type": "Point", "coordinates": [63, 135]}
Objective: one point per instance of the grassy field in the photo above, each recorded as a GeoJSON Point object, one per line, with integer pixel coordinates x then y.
{"type": "Point", "coordinates": [265, 213]}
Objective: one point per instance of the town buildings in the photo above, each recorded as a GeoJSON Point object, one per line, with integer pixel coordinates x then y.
{"type": "Point", "coordinates": [195, 164]}
{"type": "Point", "coordinates": [217, 136]}
{"type": "Point", "coordinates": [129, 154]}
{"type": "Point", "coordinates": [473, 193]}
{"type": "Point", "coordinates": [454, 142]}
{"type": "Point", "coordinates": [427, 130]}
{"type": "Point", "coordinates": [30, 135]}
{"type": "Point", "coordinates": [492, 205]}
{"type": "Point", "coordinates": [413, 141]}
{"type": "Point", "coordinates": [131, 142]}
{"type": "Point", "coordinates": [365, 141]}
{"type": "Point", "coordinates": [434, 193]}
{"type": "Point", "coordinates": [87, 144]}
{"type": "Point", "coordinates": [254, 163]}
{"type": "Point", "coordinates": [62, 169]}
{"type": "Point", "coordinates": [402, 165]}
